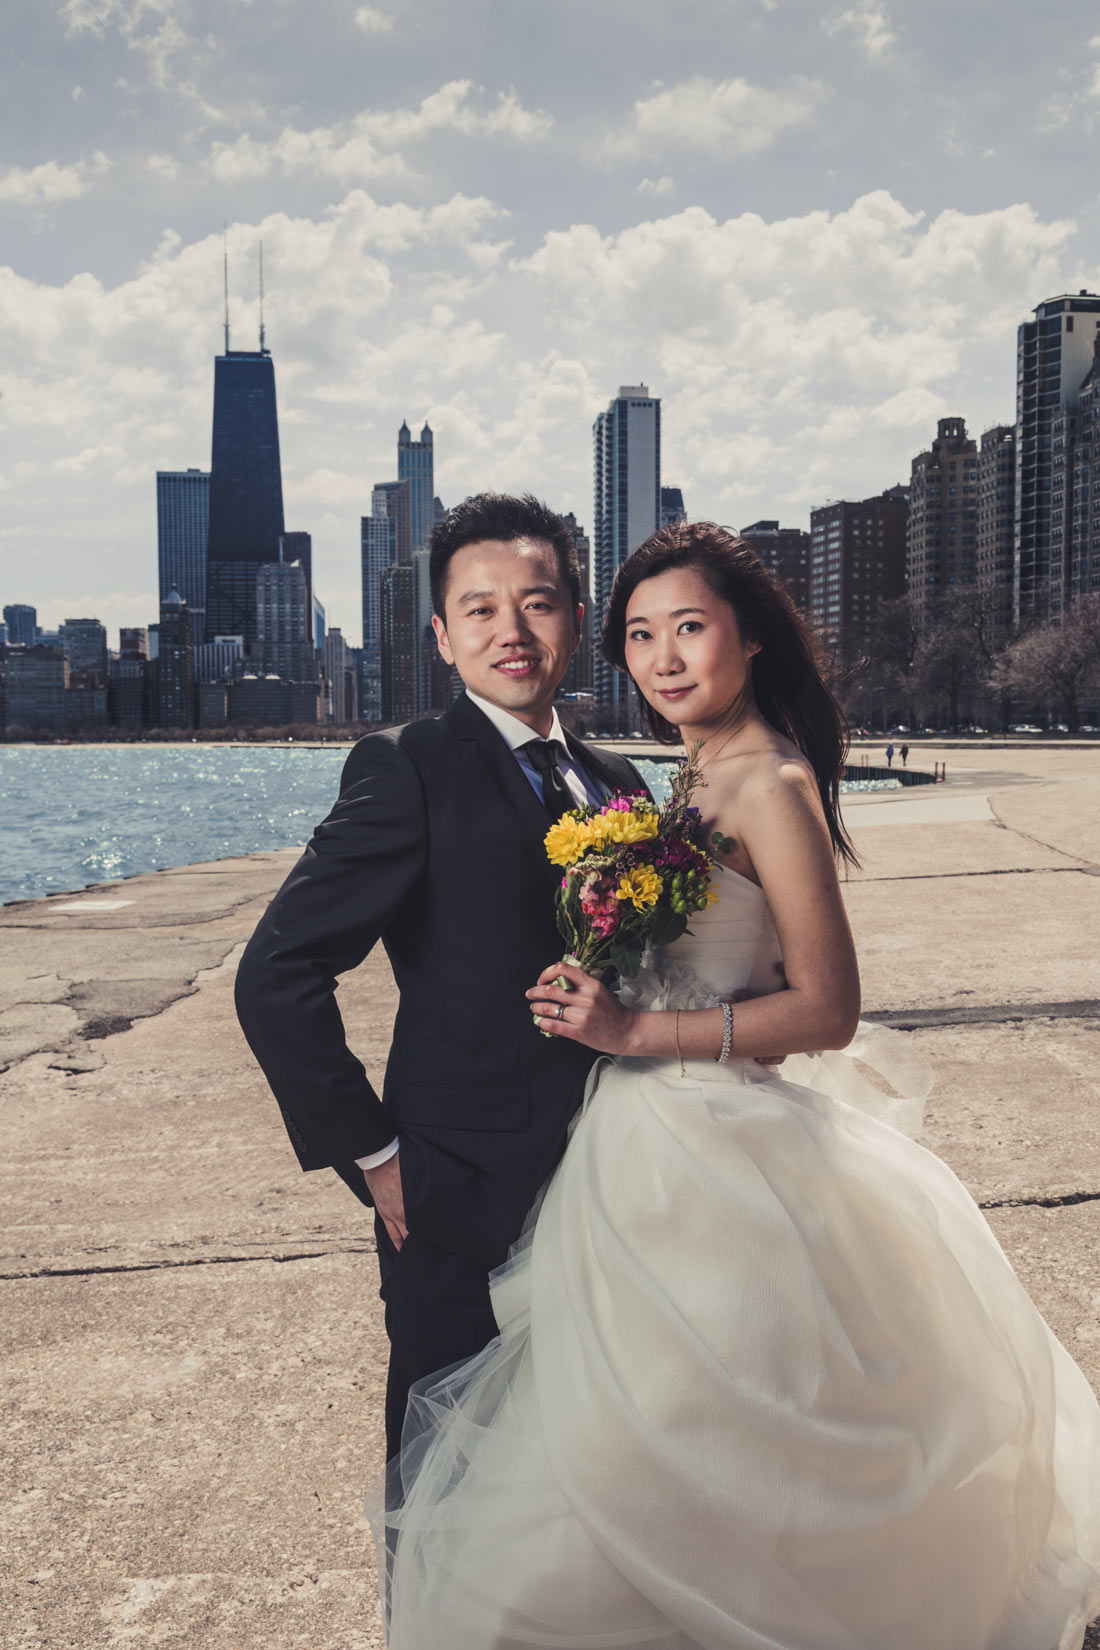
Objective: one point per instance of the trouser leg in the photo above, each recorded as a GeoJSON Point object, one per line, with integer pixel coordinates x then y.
{"type": "Point", "coordinates": [437, 1314]}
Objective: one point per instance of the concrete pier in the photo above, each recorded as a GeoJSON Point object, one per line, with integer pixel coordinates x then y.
{"type": "Point", "coordinates": [192, 1345]}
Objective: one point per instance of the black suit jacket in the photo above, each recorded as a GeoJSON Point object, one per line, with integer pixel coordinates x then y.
{"type": "Point", "coordinates": [435, 846]}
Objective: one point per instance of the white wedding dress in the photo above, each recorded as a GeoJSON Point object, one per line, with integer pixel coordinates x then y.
{"type": "Point", "coordinates": [765, 1379]}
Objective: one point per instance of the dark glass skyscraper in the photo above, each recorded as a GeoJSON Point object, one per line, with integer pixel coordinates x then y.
{"type": "Point", "coordinates": [246, 491]}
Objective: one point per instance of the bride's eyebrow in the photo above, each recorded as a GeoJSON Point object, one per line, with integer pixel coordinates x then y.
{"type": "Point", "coordinates": [676, 613]}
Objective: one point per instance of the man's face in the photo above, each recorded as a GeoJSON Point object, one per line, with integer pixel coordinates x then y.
{"type": "Point", "coordinates": [510, 625]}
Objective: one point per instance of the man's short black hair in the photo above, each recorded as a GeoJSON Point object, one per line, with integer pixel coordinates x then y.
{"type": "Point", "coordinates": [499, 516]}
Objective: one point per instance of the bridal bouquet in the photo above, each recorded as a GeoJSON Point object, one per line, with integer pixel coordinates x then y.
{"type": "Point", "coordinates": [634, 874]}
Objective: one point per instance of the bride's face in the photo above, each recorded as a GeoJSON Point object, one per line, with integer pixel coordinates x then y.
{"type": "Point", "coordinates": [684, 648]}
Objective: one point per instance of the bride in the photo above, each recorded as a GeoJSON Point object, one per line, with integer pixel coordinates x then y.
{"type": "Point", "coordinates": [764, 1379]}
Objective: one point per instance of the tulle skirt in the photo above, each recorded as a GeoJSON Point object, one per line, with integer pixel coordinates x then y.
{"type": "Point", "coordinates": [765, 1380]}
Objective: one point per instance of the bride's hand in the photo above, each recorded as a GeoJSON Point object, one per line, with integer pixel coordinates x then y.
{"type": "Point", "coordinates": [585, 1012]}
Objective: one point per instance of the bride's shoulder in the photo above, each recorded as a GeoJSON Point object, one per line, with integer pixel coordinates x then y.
{"type": "Point", "coordinates": [774, 790]}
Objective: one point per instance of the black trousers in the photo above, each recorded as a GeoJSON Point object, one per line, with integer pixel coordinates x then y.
{"type": "Point", "coordinates": [437, 1314]}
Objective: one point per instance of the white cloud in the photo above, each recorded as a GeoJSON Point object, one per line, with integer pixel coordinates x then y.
{"type": "Point", "coordinates": [729, 117]}
{"type": "Point", "coordinates": [367, 147]}
{"type": "Point", "coordinates": [373, 21]}
{"type": "Point", "coordinates": [871, 26]}
{"type": "Point", "coordinates": [656, 186]}
{"type": "Point", "coordinates": [77, 94]}
{"type": "Point", "coordinates": [797, 359]}
{"type": "Point", "coordinates": [165, 166]}
{"type": "Point", "coordinates": [49, 182]}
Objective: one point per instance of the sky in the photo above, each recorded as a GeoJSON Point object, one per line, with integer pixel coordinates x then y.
{"type": "Point", "coordinates": [810, 226]}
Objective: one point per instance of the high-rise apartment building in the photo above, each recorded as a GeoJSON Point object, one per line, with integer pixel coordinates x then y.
{"type": "Point", "coordinates": [627, 464]}
{"type": "Point", "coordinates": [133, 642]}
{"type": "Point", "coordinates": [785, 551]}
{"type": "Point", "coordinates": [222, 660]}
{"type": "Point", "coordinates": [857, 562]}
{"type": "Point", "coordinates": [398, 656]}
{"type": "Point", "coordinates": [283, 647]}
{"type": "Point", "coordinates": [175, 664]}
{"type": "Point", "coordinates": [246, 491]}
{"type": "Point", "coordinates": [22, 623]}
{"type": "Point", "coordinates": [672, 506]}
{"type": "Point", "coordinates": [1083, 537]}
{"type": "Point", "coordinates": [1054, 351]}
{"type": "Point", "coordinates": [416, 465]}
{"type": "Point", "coordinates": [85, 642]}
{"type": "Point", "coordinates": [183, 528]}
{"type": "Point", "coordinates": [942, 535]}
{"type": "Point", "coordinates": [995, 525]}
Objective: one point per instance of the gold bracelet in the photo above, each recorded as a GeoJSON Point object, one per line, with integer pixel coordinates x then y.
{"type": "Point", "coordinates": [676, 1040]}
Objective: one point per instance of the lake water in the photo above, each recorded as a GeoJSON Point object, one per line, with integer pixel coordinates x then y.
{"type": "Point", "coordinates": [71, 815]}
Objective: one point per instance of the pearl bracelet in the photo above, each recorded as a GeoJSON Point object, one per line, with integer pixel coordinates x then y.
{"type": "Point", "coordinates": [727, 1035]}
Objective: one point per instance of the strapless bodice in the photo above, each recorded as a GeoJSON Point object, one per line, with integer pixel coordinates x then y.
{"type": "Point", "coordinates": [732, 946]}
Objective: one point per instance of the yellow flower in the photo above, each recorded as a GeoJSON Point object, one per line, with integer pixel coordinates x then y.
{"type": "Point", "coordinates": [564, 841]}
{"type": "Point", "coordinates": [628, 827]}
{"type": "Point", "coordinates": [641, 887]}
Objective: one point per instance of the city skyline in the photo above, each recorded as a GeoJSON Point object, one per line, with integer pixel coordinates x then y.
{"type": "Point", "coordinates": [814, 230]}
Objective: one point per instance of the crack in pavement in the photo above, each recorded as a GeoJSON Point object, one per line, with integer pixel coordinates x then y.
{"type": "Point", "coordinates": [920, 1019]}
{"type": "Point", "coordinates": [1065, 1202]}
{"type": "Point", "coordinates": [173, 1265]}
{"type": "Point", "coordinates": [1004, 871]}
{"type": "Point", "coordinates": [1038, 840]}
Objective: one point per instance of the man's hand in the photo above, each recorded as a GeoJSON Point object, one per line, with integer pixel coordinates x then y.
{"type": "Point", "coordinates": [384, 1186]}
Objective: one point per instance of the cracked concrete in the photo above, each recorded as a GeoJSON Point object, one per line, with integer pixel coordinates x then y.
{"type": "Point", "coordinates": [192, 1347]}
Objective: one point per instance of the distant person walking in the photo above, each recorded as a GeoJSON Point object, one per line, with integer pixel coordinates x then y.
{"type": "Point", "coordinates": [904, 754]}
{"type": "Point", "coordinates": [889, 756]}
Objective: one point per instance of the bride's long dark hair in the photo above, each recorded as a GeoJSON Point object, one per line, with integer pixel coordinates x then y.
{"type": "Point", "coordinates": [787, 681]}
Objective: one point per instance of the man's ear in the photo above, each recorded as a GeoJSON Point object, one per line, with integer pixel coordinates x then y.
{"type": "Point", "coordinates": [441, 641]}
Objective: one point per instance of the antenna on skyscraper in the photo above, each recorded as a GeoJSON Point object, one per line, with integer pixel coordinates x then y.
{"type": "Point", "coordinates": [225, 275]}
{"type": "Point", "coordinates": [261, 297]}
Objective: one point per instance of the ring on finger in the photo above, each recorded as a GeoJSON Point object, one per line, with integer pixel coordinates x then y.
{"type": "Point", "coordinates": [561, 1010]}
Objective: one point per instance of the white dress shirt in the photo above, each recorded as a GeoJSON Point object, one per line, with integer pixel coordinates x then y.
{"type": "Point", "coordinates": [585, 788]}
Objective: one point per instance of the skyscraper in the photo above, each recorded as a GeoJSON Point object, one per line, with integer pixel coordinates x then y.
{"type": "Point", "coordinates": [578, 678]}
{"type": "Point", "coordinates": [175, 665]}
{"type": "Point", "coordinates": [246, 490]}
{"type": "Point", "coordinates": [22, 623]}
{"type": "Point", "coordinates": [416, 464]}
{"type": "Point", "coordinates": [857, 561]}
{"type": "Point", "coordinates": [627, 442]}
{"type": "Point", "coordinates": [377, 551]}
{"type": "Point", "coordinates": [398, 654]}
{"type": "Point", "coordinates": [996, 526]}
{"type": "Point", "coordinates": [942, 533]}
{"type": "Point", "coordinates": [672, 506]}
{"type": "Point", "coordinates": [1083, 539]}
{"type": "Point", "coordinates": [283, 646]}
{"type": "Point", "coordinates": [183, 527]}
{"type": "Point", "coordinates": [299, 547]}
{"type": "Point", "coordinates": [1054, 351]}
{"type": "Point", "coordinates": [85, 642]}
{"type": "Point", "coordinates": [394, 499]}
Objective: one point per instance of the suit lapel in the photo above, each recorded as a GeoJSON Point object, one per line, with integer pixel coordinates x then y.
{"type": "Point", "coordinates": [489, 752]}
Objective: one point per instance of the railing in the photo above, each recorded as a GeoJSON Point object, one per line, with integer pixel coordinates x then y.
{"type": "Point", "coordinates": [908, 776]}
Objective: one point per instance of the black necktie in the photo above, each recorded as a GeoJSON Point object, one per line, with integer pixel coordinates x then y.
{"type": "Point", "coordinates": [555, 792]}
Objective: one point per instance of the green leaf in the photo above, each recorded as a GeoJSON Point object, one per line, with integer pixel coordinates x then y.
{"type": "Point", "coordinates": [669, 925]}
{"type": "Point", "coordinates": [626, 959]}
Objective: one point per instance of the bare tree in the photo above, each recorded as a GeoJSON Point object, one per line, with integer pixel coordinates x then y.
{"type": "Point", "coordinates": [1060, 662]}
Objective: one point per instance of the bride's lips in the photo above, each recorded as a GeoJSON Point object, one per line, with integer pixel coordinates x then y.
{"type": "Point", "coordinates": [673, 694]}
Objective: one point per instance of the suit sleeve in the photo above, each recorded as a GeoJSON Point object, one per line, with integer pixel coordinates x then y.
{"type": "Point", "coordinates": [362, 861]}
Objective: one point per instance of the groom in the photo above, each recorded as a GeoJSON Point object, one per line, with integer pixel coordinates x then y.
{"type": "Point", "coordinates": [435, 846]}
